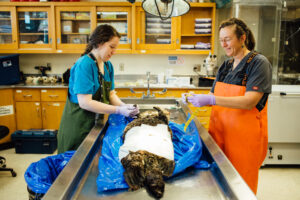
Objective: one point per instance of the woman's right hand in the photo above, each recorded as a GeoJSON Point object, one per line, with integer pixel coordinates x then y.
{"type": "Point", "coordinates": [127, 110]}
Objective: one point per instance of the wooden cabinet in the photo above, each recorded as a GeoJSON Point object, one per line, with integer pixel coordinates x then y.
{"type": "Point", "coordinates": [197, 28]}
{"type": "Point", "coordinates": [7, 115]}
{"type": "Point", "coordinates": [52, 112]}
{"type": "Point", "coordinates": [192, 33]}
{"type": "Point", "coordinates": [58, 27]}
{"type": "Point", "coordinates": [8, 30]}
{"type": "Point", "coordinates": [73, 27]}
{"type": "Point", "coordinates": [120, 19]}
{"type": "Point", "coordinates": [28, 115]}
{"type": "Point", "coordinates": [28, 109]}
{"type": "Point", "coordinates": [39, 108]}
{"type": "Point", "coordinates": [170, 93]}
{"type": "Point", "coordinates": [35, 28]}
{"type": "Point", "coordinates": [153, 33]}
{"type": "Point", "coordinates": [53, 103]}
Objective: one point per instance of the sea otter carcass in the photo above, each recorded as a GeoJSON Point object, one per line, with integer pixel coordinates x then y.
{"type": "Point", "coordinates": [147, 153]}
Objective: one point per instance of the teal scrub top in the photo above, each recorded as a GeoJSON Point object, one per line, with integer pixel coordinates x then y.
{"type": "Point", "coordinates": [84, 77]}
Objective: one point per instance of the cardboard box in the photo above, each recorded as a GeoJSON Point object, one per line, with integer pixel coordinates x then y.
{"type": "Point", "coordinates": [84, 27]}
{"type": "Point", "coordinates": [67, 15]}
{"type": "Point", "coordinates": [67, 26]}
{"type": "Point", "coordinates": [77, 39]}
{"type": "Point", "coordinates": [83, 15]}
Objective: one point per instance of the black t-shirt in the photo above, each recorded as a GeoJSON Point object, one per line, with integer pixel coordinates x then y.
{"type": "Point", "coordinates": [259, 72]}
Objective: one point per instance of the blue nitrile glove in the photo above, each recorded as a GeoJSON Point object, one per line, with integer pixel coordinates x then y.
{"type": "Point", "coordinates": [199, 100]}
{"type": "Point", "coordinates": [127, 110]}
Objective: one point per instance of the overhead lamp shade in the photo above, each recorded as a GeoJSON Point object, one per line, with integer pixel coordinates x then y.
{"type": "Point", "coordinates": [166, 8]}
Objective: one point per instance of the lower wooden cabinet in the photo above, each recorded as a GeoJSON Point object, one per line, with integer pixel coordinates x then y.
{"type": "Point", "coordinates": [7, 114]}
{"type": "Point", "coordinates": [42, 114]}
{"type": "Point", "coordinates": [28, 115]}
{"type": "Point", "coordinates": [51, 114]}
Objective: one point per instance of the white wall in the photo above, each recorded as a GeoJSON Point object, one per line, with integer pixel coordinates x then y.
{"type": "Point", "coordinates": [133, 64]}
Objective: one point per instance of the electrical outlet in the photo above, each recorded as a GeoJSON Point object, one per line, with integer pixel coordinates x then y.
{"type": "Point", "coordinates": [121, 67]}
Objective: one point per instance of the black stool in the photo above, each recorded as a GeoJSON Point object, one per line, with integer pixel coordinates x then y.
{"type": "Point", "coordinates": [4, 131]}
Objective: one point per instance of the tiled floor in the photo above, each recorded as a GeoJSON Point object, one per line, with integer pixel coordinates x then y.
{"type": "Point", "coordinates": [275, 183]}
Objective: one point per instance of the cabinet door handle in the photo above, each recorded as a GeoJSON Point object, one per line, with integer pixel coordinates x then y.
{"type": "Point", "coordinates": [38, 111]}
{"type": "Point", "coordinates": [28, 95]}
{"type": "Point", "coordinates": [44, 113]}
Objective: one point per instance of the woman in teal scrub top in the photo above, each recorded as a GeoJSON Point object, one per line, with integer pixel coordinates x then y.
{"type": "Point", "coordinates": [91, 90]}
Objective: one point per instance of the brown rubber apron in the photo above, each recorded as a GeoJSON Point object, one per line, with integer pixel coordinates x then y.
{"type": "Point", "coordinates": [241, 134]}
{"type": "Point", "coordinates": [76, 122]}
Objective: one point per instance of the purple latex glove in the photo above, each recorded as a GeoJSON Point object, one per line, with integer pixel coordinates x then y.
{"type": "Point", "coordinates": [127, 110]}
{"type": "Point", "coordinates": [199, 100]}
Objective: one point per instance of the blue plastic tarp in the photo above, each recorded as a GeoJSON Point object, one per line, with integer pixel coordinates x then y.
{"type": "Point", "coordinates": [187, 152]}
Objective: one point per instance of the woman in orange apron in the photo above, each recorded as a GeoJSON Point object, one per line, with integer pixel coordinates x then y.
{"type": "Point", "coordinates": [238, 121]}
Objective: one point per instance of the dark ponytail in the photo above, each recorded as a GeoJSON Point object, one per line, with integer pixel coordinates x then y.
{"type": "Point", "coordinates": [240, 29]}
{"type": "Point", "coordinates": [102, 33]}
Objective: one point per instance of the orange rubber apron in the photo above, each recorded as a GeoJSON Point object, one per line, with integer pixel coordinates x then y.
{"type": "Point", "coordinates": [241, 134]}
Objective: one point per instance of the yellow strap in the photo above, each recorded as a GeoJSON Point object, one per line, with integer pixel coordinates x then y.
{"type": "Point", "coordinates": [191, 118]}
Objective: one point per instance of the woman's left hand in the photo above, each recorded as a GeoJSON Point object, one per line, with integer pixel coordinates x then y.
{"type": "Point", "coordinates": [199, 100]}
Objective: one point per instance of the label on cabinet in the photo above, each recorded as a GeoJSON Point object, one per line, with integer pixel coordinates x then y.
{"type": "Point", "coordinates": [6, 110]}
{"type": "Point", "coordinates": [18, 91]}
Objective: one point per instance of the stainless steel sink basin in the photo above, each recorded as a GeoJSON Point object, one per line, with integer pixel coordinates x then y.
{"type": "Point", "coordinates": [165, 103]}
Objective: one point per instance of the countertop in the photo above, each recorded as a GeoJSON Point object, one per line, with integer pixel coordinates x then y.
{"type": "Point", "coordinates": [63, 85]}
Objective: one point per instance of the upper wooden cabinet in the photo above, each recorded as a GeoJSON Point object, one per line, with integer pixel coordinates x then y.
{"type": "Point", "coordinates": [8, 28]}
{"type": "Point", "coordinates": [197, 29]}
{"type": "Point", "coordinates": [73, 27]}
{"type": "Point", "coordinates": [192, 33]}
{"type": "Point", "coordinates": [34, 28]}
{"type": "Point", "coordinates": [153, 33]}
{"type": "Point", "coordinates": [120, 19]}
{"type": "Point", "coordinates": [64, 27]}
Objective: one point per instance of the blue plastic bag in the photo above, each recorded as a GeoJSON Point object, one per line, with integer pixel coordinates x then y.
{"type": "Point", "coordinates": [187, 152]}
{"type": "Point", "coordinates": [40, 175]}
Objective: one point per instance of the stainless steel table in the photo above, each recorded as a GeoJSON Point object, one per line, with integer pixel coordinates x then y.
{"type": "Point", "coordinates": [220, 181]}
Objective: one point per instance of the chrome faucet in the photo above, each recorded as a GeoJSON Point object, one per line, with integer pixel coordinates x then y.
{"type": "Point", "coordinates": [148, 85]}
{"type": "Point", "coordinates": [148, 93]}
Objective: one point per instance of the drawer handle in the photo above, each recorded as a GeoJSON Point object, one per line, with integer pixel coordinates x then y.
{"type": "Point", "coordinates": [203, 110]}
{"type": "Point", "coordinates": [53, 96]}
{"type": "Point", "coordinates": [28, 95]}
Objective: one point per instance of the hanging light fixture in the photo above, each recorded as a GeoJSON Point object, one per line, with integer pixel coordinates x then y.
{"type": "Point", "coordinates": [166, 8]}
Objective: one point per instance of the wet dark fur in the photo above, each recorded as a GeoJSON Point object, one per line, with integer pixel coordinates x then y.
{"type": "Point", "coordinates": [144, 169]}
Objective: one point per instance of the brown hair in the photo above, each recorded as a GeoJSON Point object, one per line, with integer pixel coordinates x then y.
{"type": "Point", "coordinates": [240, 29]}
{"type": "Point", "coordinates": [101, 34]}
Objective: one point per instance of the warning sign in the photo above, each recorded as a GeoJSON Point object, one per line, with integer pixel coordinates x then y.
{"type": "Point", "coordinates": [6, 110]}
